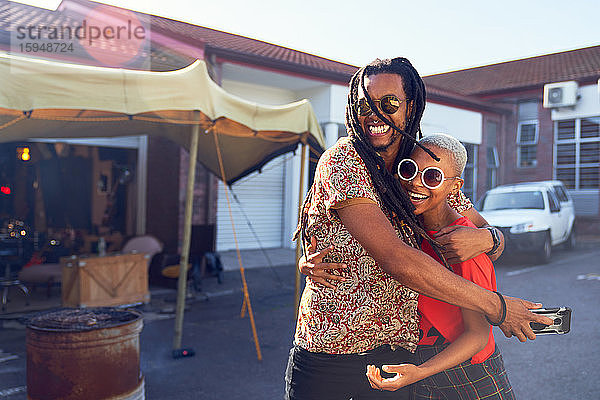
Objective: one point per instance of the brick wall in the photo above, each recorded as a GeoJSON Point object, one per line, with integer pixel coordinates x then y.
{"type": "Point", "coordinates": [167, 180]}
{"type": "Point", "coordinates": [482, 161]}
{"type": "Point", "coordinates": [511, 173]}
{"type": "Point", "coordinates": [205, 194]}
{"type": "Point", "coordinates": [162, 200]}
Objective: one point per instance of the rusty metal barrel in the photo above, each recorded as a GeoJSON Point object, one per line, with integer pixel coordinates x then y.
{"type": "Point", "coordinates": [84, 354]}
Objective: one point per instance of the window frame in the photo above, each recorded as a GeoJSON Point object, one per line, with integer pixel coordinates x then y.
{"type": "Point", "coordinates": [534, 122]}
{"type": "Point", "coordinates": [577, 140]}
{"type": "Point", "coordinates": [521, 144]}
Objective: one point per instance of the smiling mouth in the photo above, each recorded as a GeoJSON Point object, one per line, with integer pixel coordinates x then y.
{"type": "Point", "coordinates": [379, 130]}
{"type": "Point", "coordinates": [417, 197]}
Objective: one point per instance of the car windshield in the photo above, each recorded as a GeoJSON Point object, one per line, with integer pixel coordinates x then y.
{"type": "Point", "coordinates": [518, 200]}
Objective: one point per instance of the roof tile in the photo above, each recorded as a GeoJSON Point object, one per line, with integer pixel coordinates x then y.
{"type": "Point", "coordinates": [581, 64]}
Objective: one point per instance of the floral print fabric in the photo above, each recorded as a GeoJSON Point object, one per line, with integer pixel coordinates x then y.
{"type": "Point", "coordinates": [370, 308]}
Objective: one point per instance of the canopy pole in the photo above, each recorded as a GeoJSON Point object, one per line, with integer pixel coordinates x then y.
{"type": "Point", "coordinates": [187, 234]}
{"type": "Point", "coordinates": [246, 302]}
{"type": "Point", "coordinates": [299, 241]}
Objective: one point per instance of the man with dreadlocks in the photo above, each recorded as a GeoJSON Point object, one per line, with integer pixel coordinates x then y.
{"type": "Point", "coordinates": [358, 210]}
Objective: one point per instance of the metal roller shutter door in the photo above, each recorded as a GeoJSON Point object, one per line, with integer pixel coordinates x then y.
{"type": "Point", "coordinates": [261, 197]}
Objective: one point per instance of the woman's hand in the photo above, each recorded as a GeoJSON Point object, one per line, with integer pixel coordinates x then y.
{"type": "Point", "coordinates": [312, 266]}
{"type": "Point", "coordinates": [405, 375]}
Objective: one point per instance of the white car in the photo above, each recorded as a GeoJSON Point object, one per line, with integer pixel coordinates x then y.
{"type": "Point", "coordinates": [533, 216]}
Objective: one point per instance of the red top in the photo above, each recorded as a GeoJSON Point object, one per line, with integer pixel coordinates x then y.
{"type": "Point", "coordinates": [441, 322]}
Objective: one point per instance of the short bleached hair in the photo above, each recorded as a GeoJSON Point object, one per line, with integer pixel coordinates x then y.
{"type": "Point", "coordinates": [451, 145]}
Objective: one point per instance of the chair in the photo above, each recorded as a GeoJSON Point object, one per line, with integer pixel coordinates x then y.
{"type": "Point", "coordinates": [143, 244]}
{"type": "Point", "coordinates": [51, 274]}
{"type": "Point", "coordinates": [8, 280]}
{"type": "Point", "coordinates": [42, 274]}
{"type": "Point", "coordinates": [203, 261]}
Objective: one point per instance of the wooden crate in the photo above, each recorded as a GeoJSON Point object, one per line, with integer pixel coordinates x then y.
{"type": "Point", "coordinates": [105, 281]}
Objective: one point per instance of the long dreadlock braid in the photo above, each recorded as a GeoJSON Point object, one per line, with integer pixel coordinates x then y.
{"type": "Point", "coordinates": [393, 196]}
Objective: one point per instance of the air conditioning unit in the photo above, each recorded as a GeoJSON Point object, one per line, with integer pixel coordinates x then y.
{"type": "Point", "coordinates": [560, 94]}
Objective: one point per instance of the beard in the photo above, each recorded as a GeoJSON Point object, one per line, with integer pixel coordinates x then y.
{"type": "Point", "coordinates": [395, 136]}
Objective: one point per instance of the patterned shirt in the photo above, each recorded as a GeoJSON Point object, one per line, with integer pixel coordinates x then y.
{"type": "Point", "coordinates": [369, 308]}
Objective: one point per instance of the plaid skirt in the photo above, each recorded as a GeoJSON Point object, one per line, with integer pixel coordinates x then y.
{"type": "Point", "coordinates": [487, 380]}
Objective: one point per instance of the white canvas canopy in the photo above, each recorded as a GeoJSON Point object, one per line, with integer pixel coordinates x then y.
{"type": "Point", "coordinates": [230, 136]}
{"type": "Point", "coordinates": [45, 99]}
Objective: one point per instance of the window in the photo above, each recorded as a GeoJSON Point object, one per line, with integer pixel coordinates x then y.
{"type": "Point", "coordinates": [561, 193]}
{"type": "Point", "coordinates": [527, 156]}
{"type": "Point", "coordinates": [469, 173]}
{"type": "Point", "coordinates": [527, 134]}
{"type": "Point", "coordinates": [577, 153]}
{"type": "Point", "coordinates": [342, 131]}
{"type": "Point", "coordinates": [553, 202]}
{"type": "Point", "coordinates": [514, 200]}
{"type": "Point", "coordinates": [491, 155]}
{"type": "Point", "coordinates": [590, 127]}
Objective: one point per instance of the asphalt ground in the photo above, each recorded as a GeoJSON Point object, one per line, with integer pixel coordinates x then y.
{"type": "Point", "coordinates": [225, 365]}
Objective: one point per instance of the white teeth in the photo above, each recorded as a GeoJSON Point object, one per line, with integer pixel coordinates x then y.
{"type": "Point", "coordinates": [417, 196]}
{"type": "Point", "coordinates": [378, 130]}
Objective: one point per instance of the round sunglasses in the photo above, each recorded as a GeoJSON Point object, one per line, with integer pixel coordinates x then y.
{"type": "Point", "coordinates": [389, 104]}
{"type": "Point", "coordinates": [431, 177]}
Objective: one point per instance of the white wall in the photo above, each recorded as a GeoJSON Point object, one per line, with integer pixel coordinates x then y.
{"type": "Point", "coordinates": [464, 125]}
{"type": "Point", "coordinates": [319, 99]}
{"type": "Point", "coordinates": [339, 98]}
{"type": "Point", "coordinates": [588, 105]}
{"type": "Point", "coordinates": [259, 93]}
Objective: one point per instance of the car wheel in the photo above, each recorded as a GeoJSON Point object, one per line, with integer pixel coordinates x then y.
{"type": "Point", "coordinates": [571, 242]}
{"type": "Point", "coordinates": [546, 250]}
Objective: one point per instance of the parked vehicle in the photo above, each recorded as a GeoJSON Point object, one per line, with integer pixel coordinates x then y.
{"type": "Point", "coordinates": [533, 216]}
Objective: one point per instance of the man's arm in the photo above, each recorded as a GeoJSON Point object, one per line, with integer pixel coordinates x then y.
{"type": "Point", "coordinates": [461, 243]}
{"type": "Point", "coordinates": [418, 271]}
{"type": "Point", "coordinates": [480, 222]}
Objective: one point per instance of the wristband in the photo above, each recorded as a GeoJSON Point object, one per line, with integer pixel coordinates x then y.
{"type": "Point", "coordinates": [503, 313]}
{"type": "Point", "coordinates": [495, 238]}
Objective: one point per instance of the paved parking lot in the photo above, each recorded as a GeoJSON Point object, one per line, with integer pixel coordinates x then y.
{"type": "Point", "coordinates": [226, 365]}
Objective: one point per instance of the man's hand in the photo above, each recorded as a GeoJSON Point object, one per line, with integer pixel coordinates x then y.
{"type": "Point", "coordinates": [311, 265]}
{"type": "Point", "coordinates": [518, 318]}
{"type": "Point", "coordinates": [461, 243]}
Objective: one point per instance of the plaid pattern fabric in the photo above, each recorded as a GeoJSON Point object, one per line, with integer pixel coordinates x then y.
{"type": "Point", "coordinates": [487, 380]}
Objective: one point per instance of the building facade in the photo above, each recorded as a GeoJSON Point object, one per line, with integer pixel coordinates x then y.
{"type": "Point", "coordinates": [538, 139]}
{"type": "Point", "coordinates": [496, 111]}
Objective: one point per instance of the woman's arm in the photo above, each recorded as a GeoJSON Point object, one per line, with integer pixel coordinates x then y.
{"type": "Point", "coordinates": [312, 266]}
{"type": "Point", "coordinates": [416, 270]}
{"type": "Point", "coordinates": [461, 243]}
{"type": "Point", "coordinates": [470, 342]}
